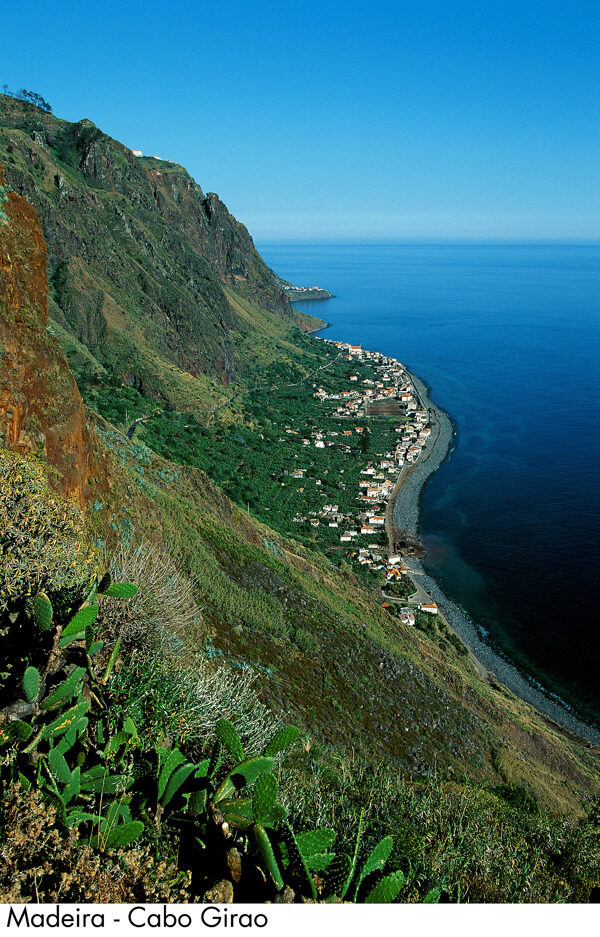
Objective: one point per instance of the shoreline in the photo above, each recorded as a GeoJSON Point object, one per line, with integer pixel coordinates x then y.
{"type": "Point", "coordinates": [403, 513]}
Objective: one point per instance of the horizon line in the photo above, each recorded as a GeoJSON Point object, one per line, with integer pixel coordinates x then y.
{"type": "Point", "coordinates": [425, 239]}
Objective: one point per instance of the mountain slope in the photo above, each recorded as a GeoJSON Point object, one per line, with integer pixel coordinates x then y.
{"type": "Point", "coordinates": [144, 268]}
{"type": "Point", "coordinates": [316, 638]}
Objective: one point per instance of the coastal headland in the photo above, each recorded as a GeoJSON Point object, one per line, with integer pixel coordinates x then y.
{"type": "Point", "coordinates": [303, 294]}
{"type": "Point", "coordinates": [306, 293]}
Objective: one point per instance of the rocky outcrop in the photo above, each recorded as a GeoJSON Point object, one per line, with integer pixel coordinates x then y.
{"type": "Point", "coordinates": [41, 410]}
{"type": "Point", "coordinates": [306, 293]}
{"type": "Point", "coordinates": [233, 256]}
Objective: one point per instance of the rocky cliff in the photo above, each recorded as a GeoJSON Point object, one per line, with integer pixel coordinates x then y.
{"type": "Point", "coordinates": [40, 406]}
{"type": "Point", "coordinates": [142, 264]}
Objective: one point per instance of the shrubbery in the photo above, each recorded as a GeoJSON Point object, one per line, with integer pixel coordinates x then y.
{"type": "Point", "coordinates": [110, 788]}
{"type": "Point", "coordinates": [43, 538]}
{"type": "Point", "coordinates": [43, 548]}
{"type": "Point", "coordinates": [125, 773]}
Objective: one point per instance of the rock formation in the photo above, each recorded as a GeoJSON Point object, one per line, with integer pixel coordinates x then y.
{"type": "Point", "coordinates": [41, 410]}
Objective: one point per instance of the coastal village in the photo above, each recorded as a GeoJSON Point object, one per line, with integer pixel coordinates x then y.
{"type": "Point", "coordinates": [390, 392]}
{"type": "Point", "coordinates": [323, 459]}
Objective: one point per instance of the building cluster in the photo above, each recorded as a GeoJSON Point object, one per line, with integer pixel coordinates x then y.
{"type": "Point", "coordinates": [390, 384]}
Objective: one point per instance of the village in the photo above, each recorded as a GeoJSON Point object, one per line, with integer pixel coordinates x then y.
{"type": "Point", "coordinates": [390, 392]}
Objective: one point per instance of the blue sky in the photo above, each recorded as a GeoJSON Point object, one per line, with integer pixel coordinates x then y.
{"type": "Point", "coordinates": [341, 120]}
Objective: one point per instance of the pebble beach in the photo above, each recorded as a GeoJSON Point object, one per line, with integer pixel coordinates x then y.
{"type": "Point", "coordinates": [406, 516]}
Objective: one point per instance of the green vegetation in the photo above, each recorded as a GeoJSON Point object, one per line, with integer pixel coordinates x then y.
{"type": "Point", "coordinates": [32, 97]}
{"type": "Point", "coordinates": [325, 652]}
{"type": "Point", "coordinates": [66, 742]}
{"type": "Point", "coordinates": [154, 279]}
{"type": "Point", "coordinates": [145, 717]}
{"type": "Point", "coordinates": [43, 538]}
{"type": "Point", "coordinates": [95, 782]}
{"type": "Point", "coordinates": [400, 588]}
{"type": "Point", "coordinates": [253, 458]}
{"type": "Point", "coordinates": [43, 549]}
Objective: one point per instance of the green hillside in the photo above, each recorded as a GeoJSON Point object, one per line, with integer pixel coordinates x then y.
{"type": "Point", "coordinates": [154, 278]}
{"type": "Point", "coordinates": [125, 732]}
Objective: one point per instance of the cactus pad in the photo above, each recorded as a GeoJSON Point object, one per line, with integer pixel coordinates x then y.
{"type": "Point", "coordinates": [81, 620]}
{"type": "Point", "coordinates": [315, 841]}
{"type": "Point", "coordinates": [104, 582]}
{"type": "Point", "coordinates": [121, 590]}
{"type": "Point", "coordinates": [31, 683]}
{"type": "Point", "coordinates": [264, 797]}
{"type": "Point", "coordinates": [376, 860]}
{"type": "Point", "coordinates": [268, 856]}
{"type": "Point", "coordinates": [282, 740]}
{"type": "Point", "coordinates": [242, 775]}
{"type": "Point", "coordinates": [387, 890]}
{"type": "Point", "coordinates": [42, 611]}
{"type": "Point", "coordinates": [227, 734]}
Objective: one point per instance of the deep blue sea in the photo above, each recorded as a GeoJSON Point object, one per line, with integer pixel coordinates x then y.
{"type": "Point", "coordinates": [508, 338]}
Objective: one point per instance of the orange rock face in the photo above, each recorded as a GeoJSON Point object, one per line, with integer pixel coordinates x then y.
{"type": "Point", "coordinates": [41, 410]}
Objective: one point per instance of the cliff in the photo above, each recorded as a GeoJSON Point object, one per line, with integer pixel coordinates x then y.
{"type": "Point", "coordinates": [145, 270]}
{"type": "Point", "coordinates": [41, 410]}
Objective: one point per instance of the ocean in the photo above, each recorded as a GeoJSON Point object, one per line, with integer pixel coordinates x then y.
{"type": "Point", "coordinates": [507, 336]}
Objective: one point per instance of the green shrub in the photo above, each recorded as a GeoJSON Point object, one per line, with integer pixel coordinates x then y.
{"type": "Point", "coordinates": [43, 538]}
{"type": "Point", "coordinates": [306, 642]}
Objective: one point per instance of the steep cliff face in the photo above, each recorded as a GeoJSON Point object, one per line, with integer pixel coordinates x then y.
{"type": "Point", "coordinates": [233, 256]}
{"type": "Point", "coordinates": [362, 684]}
{"type": "Point", "coordinates": [141, 263]}
{"type": "Point", "coordinates": [40, 406]}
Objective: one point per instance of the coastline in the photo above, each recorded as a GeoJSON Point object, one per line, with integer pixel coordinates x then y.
{"type": "Point", "coordinates": [403, 513]}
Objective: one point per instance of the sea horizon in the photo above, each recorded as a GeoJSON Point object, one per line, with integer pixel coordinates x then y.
{"type": "Point", "coordinates": [509, 522]}
{"type": "Point", "coordinates": [265, 243]}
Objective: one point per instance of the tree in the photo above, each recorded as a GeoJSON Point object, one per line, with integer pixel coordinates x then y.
{"type": "Point", "coordinates": [32, 97]}
{"type": "Point", "coordinates": [364, 440]}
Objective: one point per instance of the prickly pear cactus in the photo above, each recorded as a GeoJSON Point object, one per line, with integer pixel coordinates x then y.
{"type": "Point", "coordinates": [376, 860]}
{"type": "Point", "coordinates": [264, 797]}
{"type": "Point", "coordinates": [315, 841]}
{"type": "Point", "coordinates": [104, 582]}
{"type": "Point", "coordinates": [121, 590]}
{"type": "Point", "coordinates": [338, 873]}
{"type": "Point", "coordinates": [282, 740]}
{"type": "Point", "coordinates": [296, 861]}
{"type": "Point", "coordinates": [267, 855]}
{"type": "Point", "coordinates": [42, 611]}
{"type": "Point", "coordinates": [31, 683]}
{"type": "Point", "coordinates": [387, 890]}
{"type": "Point", "coordinates": [227, 734]}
